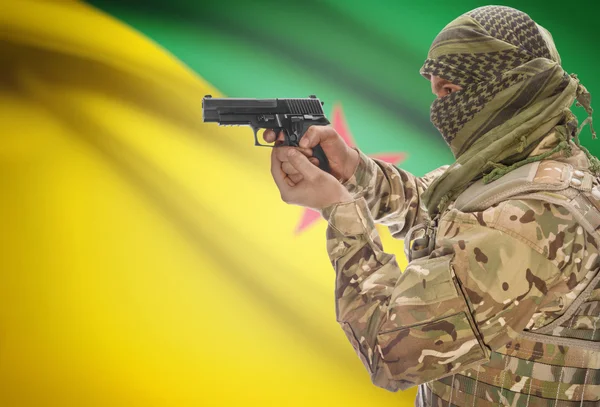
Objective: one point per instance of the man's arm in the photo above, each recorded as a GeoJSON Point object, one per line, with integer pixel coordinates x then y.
{"type": "Point", "coordinates": [393, 195]}
{"type": "Point", "coordinates": [445, 313]}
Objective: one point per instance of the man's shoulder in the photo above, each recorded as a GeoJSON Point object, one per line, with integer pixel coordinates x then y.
{"type": "Point", "coordinates": [515, 213]}
{"type": "Point", "coordinates": [546, 227]}
{"type": "Point", "coordinates": [534, 219]}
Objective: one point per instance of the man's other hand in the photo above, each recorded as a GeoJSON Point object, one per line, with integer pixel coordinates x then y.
{"type": "Point", "coordinates": [343, 160]}
{"type": "Point", "coordinates": [317, 189]}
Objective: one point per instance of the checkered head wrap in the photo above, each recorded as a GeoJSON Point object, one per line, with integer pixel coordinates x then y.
{"type": "Point", "coordinates": [514, 92]}
{"type": "Point", "coordinates": [487, 51]}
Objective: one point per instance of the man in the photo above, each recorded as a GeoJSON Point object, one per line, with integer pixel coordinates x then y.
{"type": "Point", "coordinates": [500, 303]}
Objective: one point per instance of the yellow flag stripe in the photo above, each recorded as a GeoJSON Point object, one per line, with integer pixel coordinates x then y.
{"type": "Point", "coordinates": [151, 260]}
{"type": "Point", "coordinates": [75, 28]}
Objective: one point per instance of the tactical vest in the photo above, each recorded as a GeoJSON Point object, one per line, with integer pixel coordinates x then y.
{"type": "Point", "coordinates": [556, 365]}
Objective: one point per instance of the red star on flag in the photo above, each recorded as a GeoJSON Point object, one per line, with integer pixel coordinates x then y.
{"type": "Point", "coordinates": [339, 123]}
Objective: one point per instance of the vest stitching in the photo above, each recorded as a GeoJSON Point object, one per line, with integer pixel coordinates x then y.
{"type": "Point", "coordinates": [526, 352]}
{"type": "Point", "coordinates": [561, 375]}
{"type": "Point", "coordinates": [465, 394]}
{"type": "Point", "coordinates": [502, 388]}
{"type": "Point", "coordinates": [529, 391]}
{"type": "Point", "coordinates": [475, 389]}
{"type": "Point", "coordinates": [492, 380]}
{"type": "Point", "coordinates": [452, 390]}
{"type": "Point", "coordinates": [587, 370]}
{"type": "Point", "coordinates": [573, 359]}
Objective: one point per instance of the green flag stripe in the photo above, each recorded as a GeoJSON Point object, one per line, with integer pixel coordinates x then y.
{"type": "Point", "coordinates": [365, 56]}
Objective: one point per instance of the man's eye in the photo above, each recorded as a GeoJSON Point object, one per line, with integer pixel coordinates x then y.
{"type": "Point", "coordinates": [448, 90]}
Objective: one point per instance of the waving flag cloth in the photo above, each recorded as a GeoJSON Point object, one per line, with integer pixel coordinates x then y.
{"type": "Point", "coordinates": [147, 259]}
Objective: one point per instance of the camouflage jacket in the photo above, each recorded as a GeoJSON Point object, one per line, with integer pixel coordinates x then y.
{"type": "Point", "coordinates": [493, 273]}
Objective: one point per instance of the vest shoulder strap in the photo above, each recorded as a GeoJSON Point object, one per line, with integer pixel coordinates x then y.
{"type": "Point", "coordinates": [545, 175]}
{"type": "Point", "coordinates": [551, 181]}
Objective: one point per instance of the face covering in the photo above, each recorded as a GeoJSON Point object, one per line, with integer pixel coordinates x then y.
{"type": "Point", "coordinates": [514, 92]}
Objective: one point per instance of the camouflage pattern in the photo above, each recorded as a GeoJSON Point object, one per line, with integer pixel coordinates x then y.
{"type": "Point", "coordinates": [451, 322]}
{"type": "Point", "coordinates": [485, 319]}
{"type": "Point", "coordinates": [392, 194]}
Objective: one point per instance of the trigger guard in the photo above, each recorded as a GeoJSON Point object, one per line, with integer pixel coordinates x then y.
{"type": "Point", "coordinates": [256, 142]}
{"type": "Point", "coordinates": [255, 130]}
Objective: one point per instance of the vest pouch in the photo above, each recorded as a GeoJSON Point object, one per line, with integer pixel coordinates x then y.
{"type": "Point", "coordinates": [434, 334]}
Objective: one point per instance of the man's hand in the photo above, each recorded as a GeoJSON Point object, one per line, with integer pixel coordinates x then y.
{"type": "Point", "coordinates": [317, 189]}
{"type": "Point", "coordinates": [343, 160]}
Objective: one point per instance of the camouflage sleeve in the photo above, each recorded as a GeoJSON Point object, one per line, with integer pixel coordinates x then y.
{"type": "Point", "coordinates": [392, 194]}
{"type": "Point", "coordinates": [445, 312]}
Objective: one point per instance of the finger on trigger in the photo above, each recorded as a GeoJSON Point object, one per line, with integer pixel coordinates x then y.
{"type": "Point", "coordinates": [314, 161]}
{"type": "Point", "coordinates": [269, 135]}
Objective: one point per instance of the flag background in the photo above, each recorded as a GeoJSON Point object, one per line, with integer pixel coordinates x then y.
{"type": "Point", "coordinates": [146, 259]}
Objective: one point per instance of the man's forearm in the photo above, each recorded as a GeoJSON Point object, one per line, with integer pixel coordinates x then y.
{"type": "Point", "coordinates": [392, 195]}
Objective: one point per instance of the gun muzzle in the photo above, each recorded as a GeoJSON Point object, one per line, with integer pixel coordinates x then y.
{"type": "Point", "coordinates": [209, 109]}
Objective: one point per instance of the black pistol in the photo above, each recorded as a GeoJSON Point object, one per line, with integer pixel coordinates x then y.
{"type": "Point", "coordinates": [292, 116]}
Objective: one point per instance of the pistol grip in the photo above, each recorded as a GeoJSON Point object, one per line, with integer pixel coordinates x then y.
{"type": "Point", "coordinates": [319, 154]}
{"type": "Point", "coordinates": [301, 127]}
